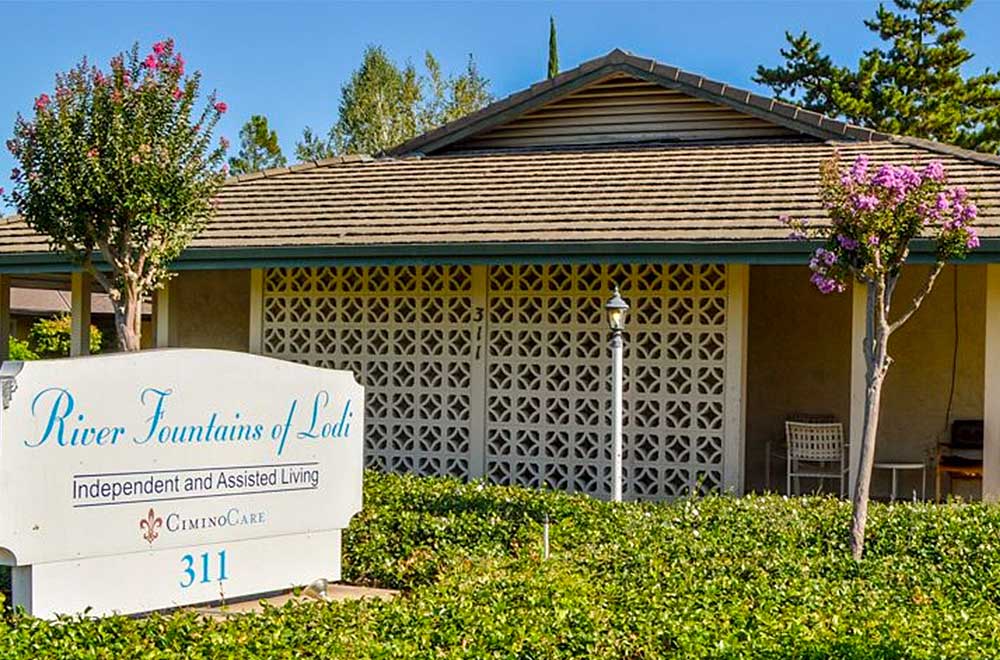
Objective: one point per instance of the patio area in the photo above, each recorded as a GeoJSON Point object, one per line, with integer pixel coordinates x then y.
{"type": "Point", "coordinates": [802, 361]}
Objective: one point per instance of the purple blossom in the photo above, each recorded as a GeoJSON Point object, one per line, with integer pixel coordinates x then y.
{"type": "Point", "coordinates": [971, 238]}
{"type": "Point", "coordinates": [934, 171]}
{"type": "Point", "coordinates": [860, 168]}
{"type": "Point", "coordinates": [966, 212]}
{"type": "Point", "coordinates": [865, 202]}
{"type": "Point", "coordinates": [826, 284]}
{"type": "Point", "coordinates": [847, 242]}
{"type": "Point", "coordinates": [908, 176]}
{"type": "Point", "coordinates": [873, 240]}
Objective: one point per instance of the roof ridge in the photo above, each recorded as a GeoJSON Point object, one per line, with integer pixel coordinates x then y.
{"type": "Point", "coordinates": [771, 109]}
{"type": "Point", "coordinates": [297, 167]}
{"type": "Point", "coordinates": [948, 149]}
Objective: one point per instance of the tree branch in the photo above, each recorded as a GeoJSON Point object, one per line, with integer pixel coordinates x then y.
{"type": "Point", "coordinates": [919, 298]}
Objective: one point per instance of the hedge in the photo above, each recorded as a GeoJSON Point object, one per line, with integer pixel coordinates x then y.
{"type": "Point", "coordinates": [714, 577]}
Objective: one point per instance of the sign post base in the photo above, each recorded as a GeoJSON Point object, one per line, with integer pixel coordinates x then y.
{"type": "Point", "coordinates": [174, 577]}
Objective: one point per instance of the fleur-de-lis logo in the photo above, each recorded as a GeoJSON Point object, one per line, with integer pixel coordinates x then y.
{"type": "Point", "coordinates": [150, 524]}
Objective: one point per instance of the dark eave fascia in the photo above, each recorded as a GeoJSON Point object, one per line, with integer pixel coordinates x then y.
{"type": "Point", "coordinates": [776, 252]}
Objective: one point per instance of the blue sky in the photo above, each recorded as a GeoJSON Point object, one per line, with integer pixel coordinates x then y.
{"type": "Point", "coordinates": [288, 60]}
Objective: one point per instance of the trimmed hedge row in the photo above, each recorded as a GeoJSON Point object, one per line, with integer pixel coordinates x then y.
{"type": "Point", "coordinates": [754, 577]}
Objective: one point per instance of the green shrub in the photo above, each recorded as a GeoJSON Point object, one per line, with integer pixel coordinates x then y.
{"type": "Point", "coordinates": [717, 577]}
{"type": "Point", "coordinates": [50, 338]}
{"type": "Point", "coordinates": [18, 349]}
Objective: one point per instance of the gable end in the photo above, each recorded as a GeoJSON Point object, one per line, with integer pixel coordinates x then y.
{"type": "Point", "coordinates": [624, 109]}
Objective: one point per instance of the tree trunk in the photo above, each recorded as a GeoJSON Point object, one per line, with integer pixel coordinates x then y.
{"type": "Point", "coordinates": [877, 362]}
{"type": "Point", "coordinates": [128, 319]}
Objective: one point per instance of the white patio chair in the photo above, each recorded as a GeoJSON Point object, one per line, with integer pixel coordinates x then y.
{"type": "Point", "coordinates": [815, 451]}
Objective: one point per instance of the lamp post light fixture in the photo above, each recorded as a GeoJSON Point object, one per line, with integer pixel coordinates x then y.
{"type": "Point", "coordinates": [617, 310]}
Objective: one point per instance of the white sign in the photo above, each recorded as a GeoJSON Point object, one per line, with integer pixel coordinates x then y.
{"type": "Point", "coordinates": [140, 481]}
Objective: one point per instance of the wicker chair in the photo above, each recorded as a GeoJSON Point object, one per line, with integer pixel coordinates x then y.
{"type": "Point", "coordinates": [816, 451]}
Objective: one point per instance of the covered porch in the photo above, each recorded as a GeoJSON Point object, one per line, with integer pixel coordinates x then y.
{"type": "Point", "coordinates": [804, 360]}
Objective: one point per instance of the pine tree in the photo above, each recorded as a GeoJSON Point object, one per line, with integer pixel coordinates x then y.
{"type": "Point", "coordinates": [383, 105]}
{"type": "Point", "coordinates": [553, 49]}
{"type": "Point", "coordinates": [912, 84]}
{"type": "Point", "coordinates": [259, 148]}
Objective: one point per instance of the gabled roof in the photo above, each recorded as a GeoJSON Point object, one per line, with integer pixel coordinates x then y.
{"type": "Point", "coordinates": [777, 112]}
{"type": "Point", "coordinates": [715, 199]}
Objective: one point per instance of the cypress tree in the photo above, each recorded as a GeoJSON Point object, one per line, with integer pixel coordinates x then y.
{"type": "Point", "coordinates": [553, 49]}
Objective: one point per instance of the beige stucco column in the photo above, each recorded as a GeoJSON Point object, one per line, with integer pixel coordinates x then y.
{"type": "Point", "coordinates": [857, 421]}
{"type": "Point", "coordinates": [256, 343]}
{"type": "Point", "coordinates": [80, 314]}
{"type": "Point", "coordinates": [991, 387]}
{"type": "Point", "coordinates": [4, 317]}
{"type": "Point", "coordinates": [734, 442]}
{"type": "Point", "coordinates": [162, 317]}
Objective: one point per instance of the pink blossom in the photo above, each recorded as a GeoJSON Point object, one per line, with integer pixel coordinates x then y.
{"type": "Point", "coordinates": [42, 101]}
{"type": "Point", "coordinates": [159, 47]}
{"type": "Point", "coordinates": [221, 107]}
{"type": "Point", "coordinates": [150, 62]}
{"type": "Point", "coordinates": [178, 94]}
{"type": "Point", "coordinates": [223, 142]}
{"type": "Point", "coordinates": [136, 159]}
{"type": "Point", "coordinates": [225, 168]}
{"type": "Point", "coordinates": [179, 64]}
{"type": "Point", "coordinates": [92, 153]}
{"type": "Point", "coordinates": [99, 79]}
{"type": "Point", "coordinates": [1, 191]}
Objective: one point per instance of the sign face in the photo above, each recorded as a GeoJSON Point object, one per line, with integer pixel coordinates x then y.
{"type": "Point", "coordinates": [144, 456]}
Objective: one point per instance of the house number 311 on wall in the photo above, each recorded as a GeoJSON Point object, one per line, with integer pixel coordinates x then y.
{"type": "Point", "coordinates": [190, 571]}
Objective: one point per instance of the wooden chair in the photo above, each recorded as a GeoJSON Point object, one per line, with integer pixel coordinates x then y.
{"type": "Point", "coordinates": [815, 451]}
{"type": "Point", "coordinates": [962, 456]}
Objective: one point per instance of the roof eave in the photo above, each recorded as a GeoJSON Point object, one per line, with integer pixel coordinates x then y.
{"type": "Point", "coordinates": [776, 252]}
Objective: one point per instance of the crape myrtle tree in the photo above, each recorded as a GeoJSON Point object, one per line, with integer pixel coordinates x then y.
{"type": "Point", "coordinates": [875, 213]}
{"type": "Point", "coordinates": [118, 168]}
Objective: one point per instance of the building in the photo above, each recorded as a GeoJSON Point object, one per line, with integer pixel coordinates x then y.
{"type": "Point", "coordinates": [462, 277]}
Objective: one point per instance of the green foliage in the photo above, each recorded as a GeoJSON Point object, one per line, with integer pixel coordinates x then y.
{"type": "Point", "coordinates": [120, 163]}
{"type": "Point", "coordinates": [718, 577]}
{"type": "Point", "coordinates": [50, 338]}
{"type": "Point", "coordinates": [912, 84]}
{"type": "Point", "coordinates": [18, 349]}
{"type": "Point", "coordinates": [383, 105]}
{"type": "Point", "coordinates": [553, 69]}
{"type": "Point", "coordinates": [259, 148]}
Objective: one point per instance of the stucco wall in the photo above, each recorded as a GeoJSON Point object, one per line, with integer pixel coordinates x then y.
{"type": "Point", "coordinates": [798, 343]}
{"type": "Point", "coordinates": [915, 399]}
{"type": "Point", "coordinates": [799, 361]}
{"type": "Point", "coordinates": [210, 309]}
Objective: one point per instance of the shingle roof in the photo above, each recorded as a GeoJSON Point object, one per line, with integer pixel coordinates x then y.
{"type": "Point", "coordinates": [728, 191]}
{"type": "Point", "coordinates": [708, 192]}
